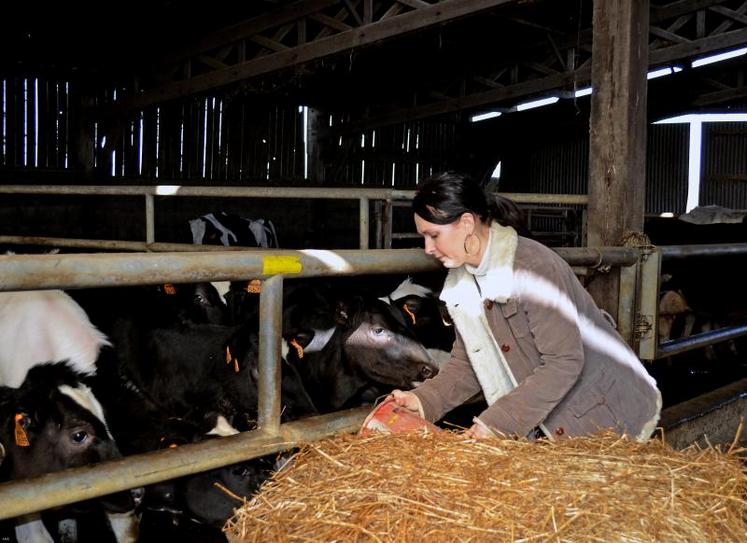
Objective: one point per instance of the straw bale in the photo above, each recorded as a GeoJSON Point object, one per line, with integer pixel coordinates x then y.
{"type": "Point", "coordinates": [422, 487]}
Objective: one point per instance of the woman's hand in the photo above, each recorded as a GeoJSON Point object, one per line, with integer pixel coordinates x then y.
{"type": "Point", "coordinates": [478, 430]}
{"type": "Point", "coordinates": [408, 401]}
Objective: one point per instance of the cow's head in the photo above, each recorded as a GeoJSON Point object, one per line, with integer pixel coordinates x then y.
{"type": "Point", "coordinates": [382, 347]}
{"type": "Point", "coordinates": [53, 422]}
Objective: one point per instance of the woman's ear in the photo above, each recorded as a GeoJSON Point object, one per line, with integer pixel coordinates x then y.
{"type": "Point", "coordinates": [467, 220]}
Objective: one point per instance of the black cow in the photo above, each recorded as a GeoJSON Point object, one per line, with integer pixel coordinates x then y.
{"type": "Point", "coordinates": [52, 422]}
{"type": "Point", "coordinates": [426, 316]}
{"type": "Point", "coordinates": [343, 349]}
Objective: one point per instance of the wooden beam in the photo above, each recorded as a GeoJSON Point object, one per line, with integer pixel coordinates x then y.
{"type": "Point", "coordinates": [581, 76]}
{"type": "Point", "coordinates": [617, 135]}
{"type": "Point", "coordinates": [436, 14]}
{"type": "Point", "coordinates": [249, 28]}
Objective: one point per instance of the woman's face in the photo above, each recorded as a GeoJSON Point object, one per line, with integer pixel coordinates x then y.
{"type": "Point", "coordinates": [444, 241]}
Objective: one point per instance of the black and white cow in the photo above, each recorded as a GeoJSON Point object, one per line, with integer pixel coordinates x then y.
{"type": "Point", "coordinates": [426, 316]}
{"type": "Point", "coordinates": [53, 421]}
{"type": "Point", "coordinates": [232, 230]}
{"type": "Point", "coordinates": [37, 327]}
{"type": "Point", "coordinates": [344, 348]}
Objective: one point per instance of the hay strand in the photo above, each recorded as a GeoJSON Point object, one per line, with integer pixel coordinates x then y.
{"type": "Point", "coordinates": [441, 487]}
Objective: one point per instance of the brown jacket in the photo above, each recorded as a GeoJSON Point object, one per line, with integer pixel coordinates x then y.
{"type": "Point", "coordinates": [573, 373]}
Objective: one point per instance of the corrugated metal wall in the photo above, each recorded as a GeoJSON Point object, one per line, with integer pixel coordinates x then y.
{"type": "Point", "coordinates": [562, 166]}
{"type": "Point", "coordinates": [724, 165]}
{"type": "Point", "coordinates": [666, 168]}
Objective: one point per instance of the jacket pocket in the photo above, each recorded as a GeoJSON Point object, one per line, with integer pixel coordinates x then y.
{"type": "Point", "coordinates": [593, 395]}
{"type": "Point", "coordinates": [516, 318]}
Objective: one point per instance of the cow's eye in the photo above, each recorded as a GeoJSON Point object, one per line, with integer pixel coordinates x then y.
{"type": "Point", "coordinates": [378, 330]}
{"type": "Point", "coordinates": [80, 437]}
{"type": "Point", "coordinates": [199, 299]}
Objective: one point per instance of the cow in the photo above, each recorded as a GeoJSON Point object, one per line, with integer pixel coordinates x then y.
{"type": "Point", "coordinates": [41, 326]}
{"type": "Point", "coordinates": [426, 316]}
{"type": "Point", "coordinates": [346, 349]}
{"type": "Point", "coordinates": [53, 421]}
{"type": "Point", "coordinates": [231, 230]}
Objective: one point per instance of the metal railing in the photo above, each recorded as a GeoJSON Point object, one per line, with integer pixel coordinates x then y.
{"type": "Point", "coordinates": [149, 193]}
{"type": "Point", "coordinates": [26, 272]}
{"type": "Point", "coordinates": [649, 346]}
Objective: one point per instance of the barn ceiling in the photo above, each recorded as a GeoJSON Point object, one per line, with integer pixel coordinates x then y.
{"type": "Point", "coordinates": [379, 61]}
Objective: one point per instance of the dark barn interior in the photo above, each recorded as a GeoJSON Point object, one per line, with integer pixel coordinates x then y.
{"type": "Point", "coordinates": [289, 110]}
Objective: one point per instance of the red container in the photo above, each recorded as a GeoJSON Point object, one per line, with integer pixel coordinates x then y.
{"type": "Point", "coordinates": [389, 418]}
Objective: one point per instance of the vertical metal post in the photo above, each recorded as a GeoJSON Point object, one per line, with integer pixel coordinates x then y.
{"type": "Point", "coordinates": [647, 318]}
{"type": "Point", "coordinates": [150, 227]}
{"type": "Point", "coordinates": [388, 219]}
{"type": "Point", "coordinates": [363, 223]}
{"type": "Point", "coordinates": [271, 323]}
{"type": "Point", "coordinates": [626, 303]}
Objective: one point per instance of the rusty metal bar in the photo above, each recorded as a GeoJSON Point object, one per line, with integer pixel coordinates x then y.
{"type": "Point", "coordinates": [364, 220]}
{"type": "Point", "coordinates": [72, 485]}
{"type": "Point", "coordinates": [119, 245]}
{"type": "Point", "coordinates": [270, 332]}
{"type": "Point", "coordinates": [29, 272]}
{"type": "Point", "coordinates": [706, 250]}
{"type": "Point", "coordinates": [698, 341]}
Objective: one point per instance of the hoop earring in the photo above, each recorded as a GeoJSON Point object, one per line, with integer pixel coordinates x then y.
{"type": "Point", "coordinates": [479, 244]}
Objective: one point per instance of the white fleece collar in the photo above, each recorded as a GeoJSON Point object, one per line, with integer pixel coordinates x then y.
{"type": "Point", "coordinates": [498, 283]}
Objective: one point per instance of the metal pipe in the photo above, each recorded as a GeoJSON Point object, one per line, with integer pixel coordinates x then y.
{"type": "Point", "coordinates": [598, 256]}
{"type": "Point", "coordinates": [170, 191]}
{"type": "Point", "coordinates": [707, 250]}
{"type": "Point", "coordinates": [697, 341]}
{"type": "Point", "coordinates": [150, 221]}
{"type": "Point", "coordinates": [30, 272]}
{"type": "Point", "coordinates": [270, 331]}
{"type": "Point", "coordinates": [158, 188]}
{"type": "Point", "coordinates": [119, 245]}
{"type": "Point", "coordinates": [72, 485]}
{"type": "Point", "coordinates": [363, 226]}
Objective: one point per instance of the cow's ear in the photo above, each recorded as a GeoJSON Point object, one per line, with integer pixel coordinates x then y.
{"type": "Point", "coordinates": [21, 430]}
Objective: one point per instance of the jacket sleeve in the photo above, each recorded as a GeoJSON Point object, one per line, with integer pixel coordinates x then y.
{"type": "Point", "coordinates": [546, 298]}
{"type": "Point", "coordinates": [454, 384]}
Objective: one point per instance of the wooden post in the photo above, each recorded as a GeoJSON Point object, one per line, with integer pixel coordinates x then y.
{"type": "Point", "coordinates": [617, 146]}
{"type": "Point", "coordinates": [314, 134]}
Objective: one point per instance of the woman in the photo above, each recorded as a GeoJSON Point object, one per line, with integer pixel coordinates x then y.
{"type": "Point", "coordinates": [530, 337]}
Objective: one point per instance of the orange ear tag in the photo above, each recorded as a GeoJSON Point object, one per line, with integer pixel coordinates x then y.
{"type": "Point", "coordinates": [22, 440]}
{"type": "Point", "coordinates": [409, 312]}
{"type": "Point", "coordinates": [169, 289]}
{"type": "Point", "coordinates": [229, 356]}
{"type": "Point", "coordinates": [173, 446]}
{"type": "Point", "coordinates": [297, 346]}
{"type": "Point", "coordinates": [254, 286]}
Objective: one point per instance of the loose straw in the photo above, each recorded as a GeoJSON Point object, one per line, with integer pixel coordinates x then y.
{"type": "Point", "coordinates": [421, 487]}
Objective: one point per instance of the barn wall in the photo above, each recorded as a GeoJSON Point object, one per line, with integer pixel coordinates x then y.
{"type": "Point", "coordinates": [724, 165]}
{"type": "Point", "coordinates": [560, 165]}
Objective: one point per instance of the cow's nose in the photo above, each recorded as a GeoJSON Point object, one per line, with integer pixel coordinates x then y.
{"type": "Point", "coordinates": [426, 372]}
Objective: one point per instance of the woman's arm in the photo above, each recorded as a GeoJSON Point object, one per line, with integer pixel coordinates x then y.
{"type": "Point", "coordinates": [454, 384]}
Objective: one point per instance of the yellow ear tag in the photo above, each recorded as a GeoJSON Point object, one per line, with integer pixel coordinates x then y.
{"type": "Point", "coordinates": [169, 289]}
{"type": "Point", "coordinates": [297, 346]}
{"type": "Point", "coordinates": [229, 356]}
{"type": "Point", "coordinates": [22, 440]}
{"type": "Point", "coordinates": [254, 286]}
{"type": "Point", "coordinates": [409, 312]}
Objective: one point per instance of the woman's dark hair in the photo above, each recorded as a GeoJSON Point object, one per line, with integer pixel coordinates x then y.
{"type": "Point", "coordinates": [443, 198]}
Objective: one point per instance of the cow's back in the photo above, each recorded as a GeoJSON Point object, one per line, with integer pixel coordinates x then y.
{"type": "Point", "coordinates": [41, 326]}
